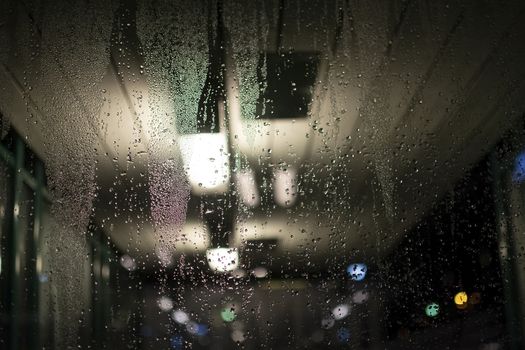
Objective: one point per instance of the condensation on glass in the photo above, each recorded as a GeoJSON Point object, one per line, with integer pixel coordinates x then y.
{"type": "Point", "coordinates": [282, 174]}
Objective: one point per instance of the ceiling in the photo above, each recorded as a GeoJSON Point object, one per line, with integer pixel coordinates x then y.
{"type": "Point", "coordinates": [408, 95]}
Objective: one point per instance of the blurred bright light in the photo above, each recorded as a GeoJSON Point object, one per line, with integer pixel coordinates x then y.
{"type": "Point", "coordinates": [285, 187]}
{"type": "Point", "coordinates": [260, 272]}
{"type": "Point", "coordinates": [191, 327]}
{"type": "Point", "coordinates": [197, 328]}
{"type": "Point", "coordinates": [223, 259]}
{"type": "Point", "coordinates": [228, 314]}
{"type": "Point", "coordinates": [238, 336]}
{"type": "Point", "coordinates": [165, 303]}
{"type": "Point", "coordinates": [356, 272]}
{"type": "Point", "coordinates": [340, 311]}
{"type": "Point", "coordinates": [180, 317]}
{"type": "Point", "coordinates": [518, 174]}
{"type": "Point", "coordinates": [432, 310]}
{"type": "Point", "coordinates": [360, 296]}
{"type": "Point", "coordinates": [43, 278]}
{"type": "Point", "coordinates": [246, 186]}
{"type": "Point", "coordinates": [460, 298]}
{"type": "Point", "coordinates": [206, 161]}
{"type": "Point", "coordinates": [128, 262]}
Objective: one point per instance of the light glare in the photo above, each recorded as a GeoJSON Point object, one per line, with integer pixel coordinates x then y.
{"type": "Point", "coordinates": [223, 259]}
{"type": "Point", "coordinates": [340, 311]}
{"type": "Point", "coordinates": [180, 317]}
{"type": "Point", "coordinates": [206, 162]}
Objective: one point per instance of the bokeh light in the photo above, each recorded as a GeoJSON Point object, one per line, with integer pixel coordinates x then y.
{"type": "Point", "coordinates": [260, 272]}
{"type": "Point", "coordinates": [222, 259]}
{"type": "Point", "coordinates": [461, 299]}
{"type": "Point", "coordinates": [432, 310]}
{"type": "Point", "coordinates": [343, 335]}
{"type": "Point", "coordinates": [165, 303]}
{"type": "Point", "coordinates": [518, 174]}
{"type": "Point", "coordinates": [228, 314]}
{"type": "Point", "coordinates": [180, 317]}
{"type": "Point", "coordinates": [177, 342]}
{"type": "Point", "coordinates": [197, 328]}
{"type": "Point", "coordinates": [128, 262]}
{"type": "Point", "coordinates": [356, 272]}
{"type": "Point", "coordinates": [340, 311]}
{"type": "Point", "coordinates": [238, 336]}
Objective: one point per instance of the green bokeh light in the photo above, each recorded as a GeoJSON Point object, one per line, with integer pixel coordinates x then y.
{"type": "Point", "coordinates": [432, 310]}
{"type": "Point", "coordinates": [228, 315]}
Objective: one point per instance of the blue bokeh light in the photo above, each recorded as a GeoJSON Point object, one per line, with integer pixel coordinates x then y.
{"type": "Point", "coordinates": [177, 342]}
{"type": "Point", "coordinates": [201, 330]}
{"type": "Point", "coordinates": [356, 272]}
{"type": "Point", "coordinates": [343, 335]}
{"type": "Point", "coordinates": [518, 174]}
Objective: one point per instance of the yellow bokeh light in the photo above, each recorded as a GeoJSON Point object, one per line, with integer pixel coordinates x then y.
{"type": "Point", "coordinates": [461, 298]}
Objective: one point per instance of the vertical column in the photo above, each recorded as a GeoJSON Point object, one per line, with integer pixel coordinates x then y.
{"type": "Point", "coordinates": [507, 205]}
{"type": "Point", "coordinates": [16, 242]}
{"type": "Point", "coordinates": [36, 256]}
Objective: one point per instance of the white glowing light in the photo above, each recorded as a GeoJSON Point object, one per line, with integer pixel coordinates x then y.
{"type": "Point", "coordinates": [223, 259]}
{"type": "Point", "coordinates": [285, 187]}
{"type": "Point", "coordinates": [165, 303]}
{"type": "Point", "coordinates": [247, 188]}
{"type": "Point", "coordinates": [180, 317]}
{"type": "Point", "coordinates": [340, 311]}
{"type": "Point", "coordinates": [260, 272]}
{"type": "Point", "coordinates": [206, 161]}
{"type": "Point", "coordinates": [128, 262]}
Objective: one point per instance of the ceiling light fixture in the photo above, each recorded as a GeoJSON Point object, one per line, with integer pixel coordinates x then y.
{"type": "Point", "coordinates": [206, 162]}
{"type": "Point", "coordinates": [285, 187]}
{"type": "Point", "coordinates": [222, 259]}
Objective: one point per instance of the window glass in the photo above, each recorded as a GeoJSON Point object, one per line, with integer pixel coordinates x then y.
{"type": "Point", "coordinates": [280, 174]}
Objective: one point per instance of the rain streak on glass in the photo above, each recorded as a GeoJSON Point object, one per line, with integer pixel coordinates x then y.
{"type": "Point", "coordinates": [281, 174]}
